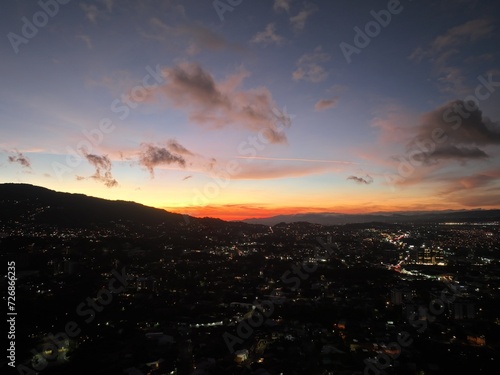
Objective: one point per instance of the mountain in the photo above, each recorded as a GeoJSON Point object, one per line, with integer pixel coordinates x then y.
{"type": "Point", "coordinates": [27, 208]}
{"type": "Point", "coordinates": [31, 205]}
{"type": "Point", "coordinates": [43, 206]}
{"type": "Point", "coordinates": [383, 217]}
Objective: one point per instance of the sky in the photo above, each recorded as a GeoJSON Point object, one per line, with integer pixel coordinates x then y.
{"type": "Point", "coordinates": [252, 108]}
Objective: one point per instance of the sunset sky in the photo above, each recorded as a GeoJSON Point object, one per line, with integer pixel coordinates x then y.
{"type": "Point", "coordinates": [255, 109]}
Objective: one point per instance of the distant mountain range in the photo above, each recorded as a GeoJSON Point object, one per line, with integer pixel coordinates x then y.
{"type": "Point", "coordinates": [29, 204]}
{"type": "Point", "coordinates": [385, 217]}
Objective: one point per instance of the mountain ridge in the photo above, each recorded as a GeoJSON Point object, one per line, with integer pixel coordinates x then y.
{"type": "Point", "coordinates": [45, 206]}
{"type": "Point", "coordinates": [75, 209]}
{"type": "Point", "coordinates": [335, 218]}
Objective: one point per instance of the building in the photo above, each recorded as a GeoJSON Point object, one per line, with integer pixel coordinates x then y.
{"type": "Point", "coordinates": [427, 256]}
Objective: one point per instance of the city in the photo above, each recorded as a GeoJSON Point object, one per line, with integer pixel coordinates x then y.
{"type": "Point", "coordinates": [214, 297]}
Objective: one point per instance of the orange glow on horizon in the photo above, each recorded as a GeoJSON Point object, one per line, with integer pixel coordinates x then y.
{"type": "Point", "coordinates": [235, 212]}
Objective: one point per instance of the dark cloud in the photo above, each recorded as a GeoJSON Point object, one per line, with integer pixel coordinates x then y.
{"type": "Point", "coordinates": [20, 159]}
{"type": "Point", "coordinates": [461, 124]}
{"type": "Point", "coordinates": [453, 131]}
{"type": "Point", "coordinates": [458, 153]}
{"type": "Point", "coordinates": [102, 166]}
{"type": "Point", "coordinates": [211, 163]}
{"type": "Point", "coordinates": [152, 156]}
{"type": "Point", "coordinates": [367, 180]}
{"type": "Point", "coordinates": [176, 147]}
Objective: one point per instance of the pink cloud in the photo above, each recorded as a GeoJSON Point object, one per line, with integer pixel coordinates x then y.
{"type": "Point", "coordinates": [324, 104]}
{"type": "Point", "coordinates": [298, 21]}
{"type": "Point", "coordinates": [221, 104]}
{"type": "Point", "coordinates": [310, 66]}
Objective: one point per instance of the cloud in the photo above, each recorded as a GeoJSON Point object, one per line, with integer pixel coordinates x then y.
{"type": "Point", "coordinates": [324, 104]}
{"type": "Point", "coordinates": [187, 178]}
{"type": "Point", "coordinates": [298, 22]}
{"type": "Point", "coordinates": [446, 46]}
{"type": "Point", "coordinates": [109, 4]}
{"type": "Point", "coordinates": [152, 156]}
{"type": "Point", "coordinates": [102, 166]}
{"type": "Point", "coordinates": [268, 36]}
{"type": "Point", "coordinates": [86, 39]}
{"type": "Point", "coordinates": [395, 123]}
{"type": "Point", "coordinates": [470, 31]}
{"type": "Point", "coordinates": [273, 170]}
{"type": "Point", "coordinates": [198, 36]}
{"type": "Point", "coordinates": [19, 158]}
{"type": "Point", "coordinates": [91, 12]}
{"type": "Point", "coordinates": [280, 5]}
{"type": "Point", "coordinates": [451, 132]}
{"type": "Point", "coordinates": [367, 180]}
{"type": "Point", "coordinates": [478, 190]}
{"type": "Point", "coordinates": [477, 180]}
{"type": "Point", "coordinates": [310, 68]}
{"type": "Point", "coordinates": [306, 160]}
{"type": "Point", "coordinates": [481, 200]}
{"type": "Point", "coordinates": [203, 38]}
{"type": "Point", "coordinates": [176, 147]}
{"type": "Point", "coordinates": [460, 125]}
{"type": "Point", "coordinates": [451, 152]}
{"type": "Point", "coordinates": [221, 104]}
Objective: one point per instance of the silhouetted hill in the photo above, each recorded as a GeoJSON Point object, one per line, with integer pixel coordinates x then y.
{"type": "Point", "coordinates": [43, 206]}
{"type": "Point", "coordinates": [29, 206]}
